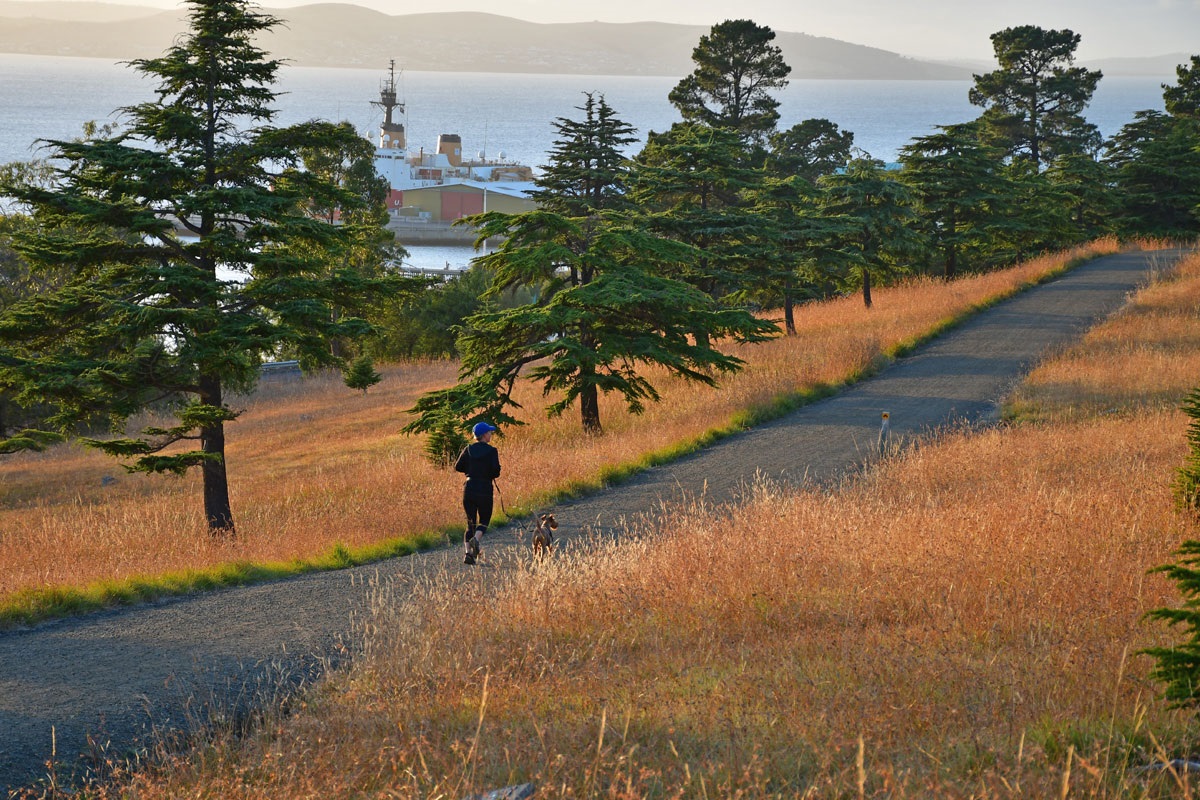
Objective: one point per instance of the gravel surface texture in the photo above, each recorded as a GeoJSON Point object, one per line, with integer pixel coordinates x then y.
{"type": "Point", "coordinates": [105, 682]}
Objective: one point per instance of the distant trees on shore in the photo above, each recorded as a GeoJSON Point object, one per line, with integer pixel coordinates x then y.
{"type": "Point", "coordinates": [651, 258]}
{"type": "Point", "coordinates": [775, 217]}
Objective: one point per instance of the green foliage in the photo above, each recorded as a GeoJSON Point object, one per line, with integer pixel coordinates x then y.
{"type": "Point", "coordinates": [1183, 99]}
{"type": "Point", "coordinates": [876, 236]}
{"type": "Point", "coordinates": [960, 193]}
{"type": "Point", "coordinates": [737, 66]}
{"type": "Point", "coordinates": [1178, 667]}
{"type": "Point", "coordinates": [1155, 164]}
{"type": "Point", "coordinates": [445, 440]}
{"type": "Point", "coordinates": [693, 185]}
{"type": "Point", "coordinates": [1040, 217]}
{"type": "Point", "coordinates": [604, 303]}
{"type": "Point", "coordinates": [1034, 102]}
{"type": "Point", "coordinates": [423, 325]}
{"type": "Point", "coordinates": [145, 316]}
{"type": "Point", "coordinates": [810, 149]}
{"type": "Point", "coordinates": [361, 374]}
{"type": "Point", "coordinates": [1085, 183]}
{"type": "Point", "coordinates": [588, 167]}
{"type": "Point", "coordinates": [796, 244]}
{"type": "Point", "coordinates": [1187, 478]}
{"type": "Point", "coordinates": [29, 439]}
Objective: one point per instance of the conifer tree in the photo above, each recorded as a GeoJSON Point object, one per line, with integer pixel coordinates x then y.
{"type": "Point", "coordinates": [1178, 666]}
{"type": "Point", "coordinates": [604, 308]}
{"type": "Point", "coordinates": [799, 243]}
{"type": "Point", "coordinates": [1183, 99]}
{"type": "Point", "coordinates": [737, 66]}
{"type": "Point", "coordinates": [1033, 103]}
{"type": "Point", "coordinates": [1155, 167]}
{"type": "Point", "coordinates": [1086, 183]}
{"type": "Point", "coordinates": [959, 190]}
{"type": "Point", "coordinates": [875, 212]}
{"type": "Point", "coordinates": [191, 253]}
{"type": "Point", "coordinates": [809, 149]}
{"type": "Point", "coordinates": [361, 374]}
{"type": "Point", "coordinates": [694, 185]}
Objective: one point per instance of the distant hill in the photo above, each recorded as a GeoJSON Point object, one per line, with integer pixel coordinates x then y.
{"type": "Point", "coordinates": [66, 10]}
{"type": "Point", "coordinates": [1150, 66]}
{"type": "Point", "coordinates": [1143, 67]}
{"type": "Point", "coordinates": [338, 35]}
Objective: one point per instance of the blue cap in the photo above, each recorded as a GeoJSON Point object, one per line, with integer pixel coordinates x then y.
{"type": "Point", "coordinates": [481, 428]}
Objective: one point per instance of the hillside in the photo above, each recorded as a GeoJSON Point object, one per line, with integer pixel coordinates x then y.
{"type": "Point", "coordinates": [72, 10]}
{"type": "Point", "coordinates": [340, 35]}
{"type": "Point", "coordinates": [1149, 66]}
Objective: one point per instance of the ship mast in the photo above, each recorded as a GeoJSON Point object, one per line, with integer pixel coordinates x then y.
{"type": "Point", "coordinates": [391, 134]}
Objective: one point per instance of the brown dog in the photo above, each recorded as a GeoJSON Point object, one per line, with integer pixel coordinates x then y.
{"type": "Point", "coordinates": [543, 535]}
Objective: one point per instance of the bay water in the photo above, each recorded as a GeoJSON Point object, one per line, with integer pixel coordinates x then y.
{"type": "Point", "coordinates": [507, 115]}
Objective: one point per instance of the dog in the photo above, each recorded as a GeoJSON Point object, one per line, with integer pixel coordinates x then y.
{"type": "Point", "coordinates": [543, 534]}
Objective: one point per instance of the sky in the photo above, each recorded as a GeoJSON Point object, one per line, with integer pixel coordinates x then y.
{"type": "Point", "coordinates": [931, 29]}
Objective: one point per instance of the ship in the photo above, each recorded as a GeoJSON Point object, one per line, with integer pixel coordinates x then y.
{"type": "Point", "coordinates": [432, 189]}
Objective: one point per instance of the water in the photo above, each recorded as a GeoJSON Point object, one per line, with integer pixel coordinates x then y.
{"type": "Point", "coordinates": [52, 97]}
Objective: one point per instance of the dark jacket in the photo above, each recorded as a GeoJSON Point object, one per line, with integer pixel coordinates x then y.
{"type": "Point", "coordinates": [480, 462]}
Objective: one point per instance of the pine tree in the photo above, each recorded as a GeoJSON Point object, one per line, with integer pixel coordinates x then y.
{"type": "Point", "coordinates": [959, 189]}
{"type": "Point", "coordinates": [875, 212]}
{"type": "Point", "coordinates": [1178, 667]}
{"type": "Point", "coordinates": [192, 256]}
{"type": "Point", "coordinates": [1183, 99]}
{"type": "Point", "coordinates": [1034, 102]}
{"type": "Point", "coordinates": [737, 66]}
{"type": "Point", "coordinates": [1155, 167]}
{"type": "Point", "coordinates": [694, 184]}
{"type": "Point", "coordinates": [361, 374]}
{"type": "Point", "coordinates": [604, 307]}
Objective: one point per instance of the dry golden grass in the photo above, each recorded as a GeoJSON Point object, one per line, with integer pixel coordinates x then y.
{"type": "Point", "coordinates": [961, 622]}
{"type": "Point", "coordinates": [1146, 356]}
{"type": "Point", "coordinates": [318, 465]}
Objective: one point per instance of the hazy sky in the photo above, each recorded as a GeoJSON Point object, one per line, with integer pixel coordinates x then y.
{"type": "Point", "coordinates": [925, 28]}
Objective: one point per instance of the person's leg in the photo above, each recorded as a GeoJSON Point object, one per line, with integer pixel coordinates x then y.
{"type": "Point", "coordinates": [470, 545]}
{"type": "Point", "coordinates": [483, 504]}
{"type": "Point", "coordinates": [483, 509]}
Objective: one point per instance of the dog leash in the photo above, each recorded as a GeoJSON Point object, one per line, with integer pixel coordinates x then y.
{"type": "Point", "coordinates": [504, 511]}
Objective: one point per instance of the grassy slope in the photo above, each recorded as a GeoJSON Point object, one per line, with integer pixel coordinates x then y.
{"type": "Point", "coordinates": [321, 479]}
{"type": "Point", "coordinates": [963, 621]}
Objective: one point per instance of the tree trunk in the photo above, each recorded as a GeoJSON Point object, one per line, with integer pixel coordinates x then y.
{"type": "Point", "coordinates": [217, 510]}
{"type": "Point", "coordinates": [789, 314]}
{"type": "Point", "coordinates": [589, 410]}
{"type": "Point", "coordinates": [866, 273]}
{"type": "Point", "coordinates": [951, 262]}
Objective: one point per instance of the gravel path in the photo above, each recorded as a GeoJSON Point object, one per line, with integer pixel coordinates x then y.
{"type": "Point", "coordinates": [116, 677]}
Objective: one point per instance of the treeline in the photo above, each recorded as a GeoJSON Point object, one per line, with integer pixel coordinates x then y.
{"type": "Point", "coordinates": [1029, 174]}
{"type": "Point", "coordinates": [652, 259]}
{"type": "Point", "coordinates": [159, 264]}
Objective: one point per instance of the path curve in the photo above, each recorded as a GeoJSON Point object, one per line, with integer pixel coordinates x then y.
{"type": "Point", "coordinates": [121, 675]}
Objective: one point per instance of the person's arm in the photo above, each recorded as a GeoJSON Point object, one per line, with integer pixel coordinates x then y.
{"type": "Point", "coordinates": [464, 461]}
{"type": "Point", "coordinates": [495, 464]}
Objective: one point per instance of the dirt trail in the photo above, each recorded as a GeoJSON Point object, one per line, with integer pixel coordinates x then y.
{"type": "Point", "coordinates": [119, 676]}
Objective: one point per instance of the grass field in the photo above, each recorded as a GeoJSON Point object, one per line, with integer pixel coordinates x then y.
{"type": "Point", "coordinates": [963, 621]}
{"type": "Point", "coordinates": [321, 477]}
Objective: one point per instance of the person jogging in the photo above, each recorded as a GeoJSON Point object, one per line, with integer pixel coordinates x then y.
{"type": "Point", "coordinates": [480, 462]}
